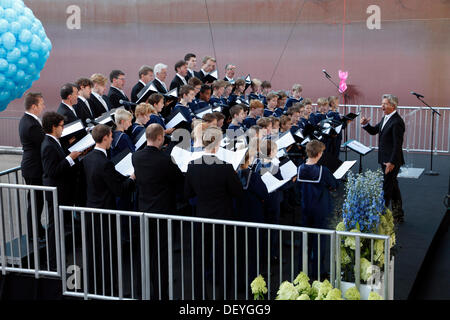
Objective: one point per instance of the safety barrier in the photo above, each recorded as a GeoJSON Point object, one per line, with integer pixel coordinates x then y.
{"type": "Point", "coordinates": [20, 217]}
{"type": "Point", "coordinates": [210, 259]}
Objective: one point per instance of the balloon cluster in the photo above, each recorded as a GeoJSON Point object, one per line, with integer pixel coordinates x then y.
{"type": "Point", "coordinates": [24, 49]}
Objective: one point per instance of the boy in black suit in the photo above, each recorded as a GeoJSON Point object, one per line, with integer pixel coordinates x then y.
{"type": "Point", "coordinates": [83, 107]}
{"type": "Point", "coordinates": [31, 137]}
{"type": "Point", "coordinates": [98, 101]}
{"type": "Point", "coordinates": [391, 129]}
{"type": "Point", "coordinates": [58, 171]}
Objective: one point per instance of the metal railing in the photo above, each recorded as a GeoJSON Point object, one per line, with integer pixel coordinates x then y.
{"type": "Point", "coordinates": [417, 136]}
{"type": "Point", "coordinates": [21, 221]}
{"type": "Point", "coordinates": [210, 259]}
{"type": "Point", "coordinates": [9, 135]}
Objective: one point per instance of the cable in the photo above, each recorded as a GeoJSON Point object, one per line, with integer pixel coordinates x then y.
{"type": "Point", "coordinates": [289, 38]}
{"type": "Point", "coordinates": [212, 37]}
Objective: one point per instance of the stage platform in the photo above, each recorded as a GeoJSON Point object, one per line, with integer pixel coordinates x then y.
{"type": "Point", "coordinates": [424, 212]}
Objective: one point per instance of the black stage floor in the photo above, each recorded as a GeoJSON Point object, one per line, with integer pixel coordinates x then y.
{"type": "Point", "coordinates": [424, 212]}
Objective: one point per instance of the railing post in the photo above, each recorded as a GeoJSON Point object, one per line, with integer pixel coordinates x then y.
{"type": "Point", "coordinates": [170, 262]}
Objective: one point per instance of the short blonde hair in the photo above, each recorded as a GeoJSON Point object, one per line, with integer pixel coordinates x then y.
{"type": "Point", "coordinates": [143, 109]}
{"type": "Point", "coordinates": [98, 78]}
{"type": "Point", "coordinates": [297, 87]}
{"type": "Point", "coordinates": [122, 115]}
{"type": "Point", "coordinates": [322, 101]}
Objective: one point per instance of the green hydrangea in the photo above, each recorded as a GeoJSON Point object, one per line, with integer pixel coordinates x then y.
{"type": "Point", "coordinates": [287, 291]}
{"type": "Point", "coordinates": [352, 294]}
{"type": "Point", "coordinates": [324, 288]}
{"type": "Point", "coordinates": [334, 294]}
{"type": "Point", "coordinates": [259, 287]}
{"type": "Point", "coordinates": [366, 269]}
{"type": "Point", "coordinates": [302, 283]}
{"type": "Point", "coordinates": [303, 296]}
{"type": "Point", "coordinates": [375, 296]}
{"type": "Point", "coordinates": [345, 258]}
{"type": "Point", "coordinates": [340, 226]}
{"type": "Point", "coordinates": [314, 292]}
{"type": "Point", "coordinates": [350, 242]}
{"type": "Point", "coordinates": [378, 254]}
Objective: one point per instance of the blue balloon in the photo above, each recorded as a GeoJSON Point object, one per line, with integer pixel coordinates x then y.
{"type": "Point", "coordinates": [33, 56]}
{"type": "Point", "coordinates": [27, 80]}
{"type": "Point", "coordinates": [12, 69]}
{"type": "Point", "coordinates": [20, 75]}
{"type": "Point", "coordinates": [3, 65]}
{"type": "Point", "coordinates": [13, 55]}
{"type": "Point", "coordinates": [35, 44]}
{"type": "Point", "coordinates": [4, 96]}
{"type": "Point", "coordinates": [2, 80]}
{"type": "Point", "coordinates": [15, 28]}
{"type": "Point", "coordinates": [28, 13]}
{"type": "Point", "coordinates": [9, 41]}
{"type": "Point", "coordinates": [22, 63]}
{"type": "Point", "coordinates": [19, 7]}
{"type": "Point", "coordinates": [2, 53]}
{"type": "Point", "coordinates": [7, 3]}
{"type": "Point", "coordinates": [10, 85]}
{"type": "Point", "coordinates": [31, 68]}
{"type": "Point", "coordinates": [23, 48]}
{"type": "Point", "coordinates": [4, 25]}
{"type": "Point", "coordinates": [2, 12]}
{"type": "Point", "coordinates": [25, 36]}
{"type": "Point", "coordinates": [25, 22]}
{"type": "Point", "coordinates": [10, 15]}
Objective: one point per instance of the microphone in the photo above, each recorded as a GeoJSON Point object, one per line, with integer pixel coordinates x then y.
{"type": "Point", "coordinates": [417, 95]}
{"type": "Point", "coordinates": [326, 74]}
{"type": "Point", "coordinates": [128, 103]}
{"type": "Point", "coordinates": [90, 121]}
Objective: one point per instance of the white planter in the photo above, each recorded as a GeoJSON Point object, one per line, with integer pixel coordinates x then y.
{"type": "Point", "coordinates": [365, 289]}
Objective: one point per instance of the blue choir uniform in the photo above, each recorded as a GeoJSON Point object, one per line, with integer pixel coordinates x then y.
{"type": "Point", "coordinates": [249, 122]}
{"type": "Point", "coordinates": [136, 129]}
{"type": "Point", "coordinates": [121, 141]}
{"type": "Point", "coordinates": [290, 102]}
{"type": "Point", "coordinates": [157, 118]}
{"type": "Point", "coordinates": [315, 182]}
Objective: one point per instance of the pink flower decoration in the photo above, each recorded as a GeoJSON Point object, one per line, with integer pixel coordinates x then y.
{"type": "Point", "coordinates": [343, 76]}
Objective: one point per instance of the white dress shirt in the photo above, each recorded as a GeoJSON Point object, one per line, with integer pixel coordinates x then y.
{"type": "Point", "coordinates": [182, 79]}
{"type": "Point", "coordinates": [102, 101]}
{"type": "Point", "coordinates": [71, 109]}
{"type": "Point", "coordinates": [87, 104]}
{"type": "Point", "coordinates": [386, 118]}
{"type": "Point", "coordinates": [34, 116]}
{"type": "Point", "coordinates": [102, 150]}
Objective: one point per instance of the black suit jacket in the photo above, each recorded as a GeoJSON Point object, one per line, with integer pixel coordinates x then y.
{"type": "Point", "coordinates": [156, 177]}
{"type": "Point", "coordinates": [189, 75]}
{"type": "Point", "coordinates": [97, 107]}
{"type": "Point", "coordinates": [135, 90]}
{"type": "Point", "coordinates": [115, 96]}
{"type": "Point", "coordinates": [199, 74]}
{"type": "Point", "coordinates": [57, 171]}
{"type": "Point", "coordinates": [31, 136]}
{"type": "Point", "coordinates": [68, 115]}
{"type": "Point", "coordinates": [103, 182]}
{"type": "Point", "coordinates": [159, 87]}
{"type": "Point", "coordinates": [176, 83]}
{"type": "Point", "coordinates": [215, 184]}
{"type": "Point", "coordinates": [83, 111]}
{"type": "Point", "coordinates": [390, 139]}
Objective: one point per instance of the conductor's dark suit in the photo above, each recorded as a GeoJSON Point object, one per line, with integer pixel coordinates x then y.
{"type": "Point", "coordinates": [69, 115]}
{"type": "Point", "coordinates": [135, 90]}
{"type": "Point", "coordinates": [390, 141]}
{"type": "Point", "coordinates": [57, 173]}
{"type": "Point", "coordinates": [156, 179]}
{"type": "Point", "coordinates": [215, 184]}
{"type": "Point", "coordinates": [114, 96]}
{"type": "Point", "coordinates": [103, 185]}
{"type": "Point", "coordinates": [31, 137]}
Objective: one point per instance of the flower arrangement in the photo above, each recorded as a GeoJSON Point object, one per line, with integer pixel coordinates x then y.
{"type": "Point", "coordinates": [364, 211]}
{"type": "Point", "coordinates": [301, 289]}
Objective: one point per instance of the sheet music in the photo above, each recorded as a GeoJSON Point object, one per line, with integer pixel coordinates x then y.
{"type": "Point", "coordinates": [181, 158]}
{"type": "Point", "coordinates": [358, 147]}
{"type": "Point", "coordinates": [72, 127]}
{"type": "Point", "coordinates": [288, 170]}
{"type": "Point", "coordinates": [285, 141]}
{"type": "Point", "coordinates": [233, 158]}
{"type": "Point", "coordinates": [338, 129]}
{"type": "Point", "coordinates": [83, 144]}
{"type": "Point", "coordinates": [271, 182]}
{"type": "Point", "coordinates": [281, 153]}
{"type": "Point", "coordinates": [141, 141]}
{"type": "Point", "coordinates": [342, 170]}
{"type": "Point", "coordinates": [175, 121]}
{"type": "Point", "coordinates": [125, 166]}
{"type": "Point", "coordinates": [201, 114]}
{"type": "Point", "coordinates": [299, 134]}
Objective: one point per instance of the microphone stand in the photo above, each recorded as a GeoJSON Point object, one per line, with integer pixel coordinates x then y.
{"type": "Point", "coordinates": [345, 112]}
{"type": "Point", "coordinates": [431, 172]}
